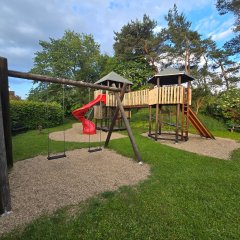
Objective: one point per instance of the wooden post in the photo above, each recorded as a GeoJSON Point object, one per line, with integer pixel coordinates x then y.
{"type": "Point", "coordinates": [178, 112]}
{"type": "Point", "coordinates": [115, 116]}
{"type": "Point", "coordinates": [5, 201]}
{"type": "Point", "coordinates": [6, 110]}
{"type": "Point", "coordinates": [130, 134]}
{"type": "Point", "coordinates": [160, 120]}
{"type": "Point", "coordinates": [150, 121]}
{"type": "Point", "coordinates": [187, 109]}
{"type": "Point", "coordinates": [183, 114]}
{"type": "Point", "coordinates": [157, 111]}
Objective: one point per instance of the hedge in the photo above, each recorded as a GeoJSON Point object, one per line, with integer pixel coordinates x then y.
{"type": "Point", "coordinates": [32, 114]}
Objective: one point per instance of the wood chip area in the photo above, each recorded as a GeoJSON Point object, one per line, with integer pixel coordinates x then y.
{"type": "Point", "coordinates": [39, 186]}
{"type": "Point", "coordinates": [218, 148]}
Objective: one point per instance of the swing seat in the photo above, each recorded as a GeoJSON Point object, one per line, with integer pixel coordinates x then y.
{"type": "Point", "coordinates": [94, 150]}
{"type": "Point", "coordinates": [56, 156]}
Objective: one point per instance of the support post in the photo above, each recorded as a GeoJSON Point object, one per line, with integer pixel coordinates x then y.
{"type": "Point", "coordinates": [160, 120]}
{"type": "Point", "coordinates": [6, 110]}
{"type": "Point", "coordinates": [115, 116]}
{"type": "Point", "coordinates": [178, 112]}
{"type": "Point", "coordinates": [187, 109]}
{"type": "Point", "coordinates": [5, 201]}
{"type": "Point", "coordinates": [183, 117]}
{"type": "Point", "coordinates": [157, 111]}
{"type": "Point", "coordinates": [150, 121]}
{"type": "Point", "coordinates": [130, 134]}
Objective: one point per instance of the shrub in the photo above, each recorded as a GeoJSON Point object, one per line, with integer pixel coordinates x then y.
{"type": "Point", "coordinates": [32, 114]}
{"type": "Point", "coordinates": [227, 107]}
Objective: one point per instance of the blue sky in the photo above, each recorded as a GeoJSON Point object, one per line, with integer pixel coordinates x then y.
{"type": "Point", "coordinates": [23, 23]}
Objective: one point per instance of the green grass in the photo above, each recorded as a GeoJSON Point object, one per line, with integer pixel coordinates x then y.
{"type": "Point", "coordinates": [187, 196]}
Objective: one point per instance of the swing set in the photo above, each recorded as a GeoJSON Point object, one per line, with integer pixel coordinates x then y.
{"type": "Point", "coordinates": [62, 155]}
{"type": "Point", "coordinates": [6, 157]}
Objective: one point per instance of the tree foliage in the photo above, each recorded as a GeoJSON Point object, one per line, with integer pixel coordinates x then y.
{"type": "Point", "coordinates": [233, 6]}
{"type": "Point", "coordinates": [137, 42]}
{"type": "Point", "coordinates": [182, 44]}
{"type": "Point", "coordinates": [74, 56]}
{"type": "Point", "coordinates": [138, 72]}
{"type": "Point", "coordinates": [227, 106]}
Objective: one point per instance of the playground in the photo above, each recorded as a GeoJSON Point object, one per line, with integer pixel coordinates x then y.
{"type": "Point", "coordinates": [148, 177]}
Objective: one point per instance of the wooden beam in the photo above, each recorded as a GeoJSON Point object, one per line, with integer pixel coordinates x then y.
{"type": "Point", "coordinates": [5, 201]}
{"type": "Point", "coordinates": [42, 78]}
{"type": "Point", "coordinates": [130, 134]}
{"type": "Point", "coordinates": [115, 116]}
{"type": "Point", "coordinates": [6, 110]}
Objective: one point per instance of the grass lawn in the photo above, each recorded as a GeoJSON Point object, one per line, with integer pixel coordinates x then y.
{"type": "Point", "coordinates": [186, 197]}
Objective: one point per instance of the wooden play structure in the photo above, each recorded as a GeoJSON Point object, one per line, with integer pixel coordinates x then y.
{"type": "Point", "coordinates": [168, 91]}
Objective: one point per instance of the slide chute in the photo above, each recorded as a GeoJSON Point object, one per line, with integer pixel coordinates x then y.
{"type": "Point", "coordinates": [88, 126]}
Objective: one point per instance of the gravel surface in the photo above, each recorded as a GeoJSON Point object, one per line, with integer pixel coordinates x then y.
{"type": "Point", "coordinates": [219, 148]}
{"type": "Point", "coordinates": [74, 134]}
{"type": "Point", "coordinates": [39, 186]}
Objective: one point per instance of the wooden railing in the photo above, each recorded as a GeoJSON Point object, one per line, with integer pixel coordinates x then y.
{"type": "Point", "coordinates": [161, 95]}
{"type": "Point", "coordinates": [166, 95]}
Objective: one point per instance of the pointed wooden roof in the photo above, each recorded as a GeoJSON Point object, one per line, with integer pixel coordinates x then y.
{"type": "Point", "coordinates": [169, 76]}
{"type": "Point", "coordinates": [113, 78]}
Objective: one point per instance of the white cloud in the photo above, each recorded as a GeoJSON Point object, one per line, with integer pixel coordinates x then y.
{"type": "Point", "coordinates": [18, 51]}
{"type": "Point", "coordinates": [222, 35]}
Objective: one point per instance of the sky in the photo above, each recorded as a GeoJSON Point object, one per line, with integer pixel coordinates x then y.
{"type": "Point", "coordinates": [24, 22]}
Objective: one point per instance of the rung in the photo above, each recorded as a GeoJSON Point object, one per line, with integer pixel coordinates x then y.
{"type": "Point", "coordinates": [56, 156]}
{"type": "Point", "coordinates": [94, 150]}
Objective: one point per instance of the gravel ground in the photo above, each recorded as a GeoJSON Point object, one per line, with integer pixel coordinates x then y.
{"type": "Point", "coordinates": [219, 148]}
{"type": "Point", "coordinates": [39, 186]}
{"type": "Point", "coordinates": [74, 134]}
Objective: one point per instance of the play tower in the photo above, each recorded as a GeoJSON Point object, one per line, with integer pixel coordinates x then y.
{"type": "Point", "coordinates": [103, 113]}
{"type": "Point", "coordinates": [173, 88]}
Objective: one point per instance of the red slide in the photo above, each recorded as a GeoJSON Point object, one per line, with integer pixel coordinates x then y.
{"type": "Point", "coordinates": [88, 126]}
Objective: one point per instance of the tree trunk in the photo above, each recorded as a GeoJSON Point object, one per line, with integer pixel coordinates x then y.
{"type": "Point", "coordinates": [224, 75]}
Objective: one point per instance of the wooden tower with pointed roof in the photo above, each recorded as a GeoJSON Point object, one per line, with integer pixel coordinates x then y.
{"type": "Point", "coordinates": [104, 114]}
{"type": "Point", "coordinates": [170, 92]}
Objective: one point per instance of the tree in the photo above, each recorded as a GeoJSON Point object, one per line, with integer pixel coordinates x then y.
{"type": "Point", "coordinates": [138, 72]}
{"type": "Point", "coordinates": [182, 44]}
{"type": "Point", "coordinates": [206, 79]}
{"type": "Point", "coordinates": [74, 56]}
{"type": "Point", "coordinates": [137, 42]}
{"type": "Point", "coordinates": [225, 6]}
{"type": "Point", "coordinates": [222, 59]}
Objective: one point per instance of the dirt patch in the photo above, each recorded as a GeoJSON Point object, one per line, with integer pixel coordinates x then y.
{"type": "Point", "coordinates": [39, 186]}
{"type": "Point", "coordinates": [219, 148]}
{"type": "Point", "coordinates": [74, 134]}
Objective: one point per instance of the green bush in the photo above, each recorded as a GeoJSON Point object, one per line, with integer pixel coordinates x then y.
{"type": "Point", "coordinates": [32, 114]}
{"type": "Point", "coordinates": [227, 107]}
